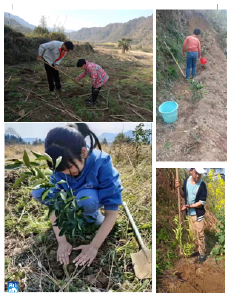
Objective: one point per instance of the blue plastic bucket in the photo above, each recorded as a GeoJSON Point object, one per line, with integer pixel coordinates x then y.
{"type": "Point", "coordinates": [169, 111]}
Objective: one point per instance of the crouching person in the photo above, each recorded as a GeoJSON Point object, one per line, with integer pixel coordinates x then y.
{"type": "Point", "coordinates": [97, 75]}
{"type": "Point", "coordinates": [88, 172]}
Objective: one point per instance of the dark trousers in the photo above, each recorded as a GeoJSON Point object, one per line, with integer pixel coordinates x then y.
{"type": "Point", "coordinates": [52, 75]}
{"type": "Point", "coordinates": [95, 93]}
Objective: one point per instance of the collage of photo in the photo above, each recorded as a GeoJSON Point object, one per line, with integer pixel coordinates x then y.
{"type": "Point", "coordinates": [90, 146]}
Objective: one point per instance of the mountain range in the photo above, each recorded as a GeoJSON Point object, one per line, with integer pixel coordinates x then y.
{"type": "Point", "coordinates": [140, 30]}
{"type": "Point", "coordinates": [108, 136]}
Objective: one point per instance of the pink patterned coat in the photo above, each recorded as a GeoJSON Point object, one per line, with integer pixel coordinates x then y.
{"type": "Point", "coordinates": [96, 73]}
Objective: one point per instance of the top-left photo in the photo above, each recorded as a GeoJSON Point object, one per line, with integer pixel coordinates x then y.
{"type": "Point", "coordinates": [78, 65]}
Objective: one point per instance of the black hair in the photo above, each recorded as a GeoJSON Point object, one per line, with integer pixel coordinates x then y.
{"type": "Point", "coordinates": [81, 62]}
{"type": "Point", "coordinates": [68, 142]}
{"type": "Point", "coordinates": [197, 31]}
{"type": "Point", "coordinates": [69, 45]}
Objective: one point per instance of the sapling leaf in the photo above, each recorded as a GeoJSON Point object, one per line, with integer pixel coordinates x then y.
{"type": "Point", "coordinates": [62, 231]}
{"type": "Point", "coordinates": [58, 161]}
{"type": "Point", "coordinates": [47, 157]}
{"type": "Point", "coordinates": [48, 172]}
{"type": "Point", "coordinates": [37, 155]}
{"type": "Point", "coordinates": [56, 205]}
{"type": "Point", "coordinates": [18, 181]}
{"type": "Point", "coordinates": [15, 160]}
{"type": "Point", "coordinates": [44, 194]}
{"type": "Point", "coordinates": [32, 163]}
{"type": "Point", "coordinates": [13, 166]}
{"type": "Point", "coordinates": [26, 173]}
{"type": "Point", "coordinates": [61, 181]}
{"type": "Point", "coordinates": [83, 198]}
{"type": "Point", "coordinates": [38, 182]}
{"type": "Point", "coordinates": [51, 209]}
{"type": "Point", "coordinates": [63, 195]}
{"type": "Point", "coordinates": [40, 174]}
{"type": "Point", "coordinates": [26, 159]}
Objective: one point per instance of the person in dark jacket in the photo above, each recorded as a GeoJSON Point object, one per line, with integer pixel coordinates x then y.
{"type": "Point", "coordinates": [194, 191]}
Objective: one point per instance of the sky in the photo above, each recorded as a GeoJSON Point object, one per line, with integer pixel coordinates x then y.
{"type": "Point", "coordinates": [40, 130]}
{"type": "Point", "coordinates": [74, 19]}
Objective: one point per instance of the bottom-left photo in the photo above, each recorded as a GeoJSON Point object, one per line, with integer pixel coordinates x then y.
{"type": "Point", "coordinates": [78, 207]}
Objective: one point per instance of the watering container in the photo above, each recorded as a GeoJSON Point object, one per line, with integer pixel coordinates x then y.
{"type": "Point", "coordinates": [203, 60]}
{"type": "Point", "coordinates": [169, 111]}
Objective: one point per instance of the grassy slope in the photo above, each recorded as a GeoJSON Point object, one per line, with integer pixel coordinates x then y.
{"type": "Point", "coordinates": [130, 80]}
{"type": "Point", "coordinates": [29, 238]}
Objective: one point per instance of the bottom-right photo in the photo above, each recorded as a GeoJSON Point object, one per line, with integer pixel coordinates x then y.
{"type": "Point", "coordinates": [190, 230]}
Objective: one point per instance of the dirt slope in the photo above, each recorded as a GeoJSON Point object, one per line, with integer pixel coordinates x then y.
{"type": "Point", "coordinates": [200, 133]}
{"type": "Point", "coordinates": [190, 277]}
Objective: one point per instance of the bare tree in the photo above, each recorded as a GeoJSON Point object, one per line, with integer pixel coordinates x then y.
{"type": "Point", "coordinates": [43, 22]}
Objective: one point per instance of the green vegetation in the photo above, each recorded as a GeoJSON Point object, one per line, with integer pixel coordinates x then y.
{"type": "Point", "coordinates": [70, 218]}
{"type": "Point", "coordinates": [30, 254]}
{"type": "Point", "coordinates": [197, 90]}
{"type": "Point", "coordinates": [125, 44]}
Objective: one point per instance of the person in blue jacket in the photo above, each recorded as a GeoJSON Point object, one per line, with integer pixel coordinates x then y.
{"type": "Point", "coordinates": [89, 172]}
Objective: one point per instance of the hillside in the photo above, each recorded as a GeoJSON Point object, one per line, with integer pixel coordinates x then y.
{"type": "Point", "coordinates": [175, 273]}
{"type": "Point", "coordinates": [15, 25]}
{"type": "Point", "coordinates": [139, 29]}
{"type": "Point", "coordinates": [200, 133]}
{"type": "Point", "coordinates": [19, 20]}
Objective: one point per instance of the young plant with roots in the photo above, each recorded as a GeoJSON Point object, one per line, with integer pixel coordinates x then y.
{"type": "Point", "coordinates": [69, 216]}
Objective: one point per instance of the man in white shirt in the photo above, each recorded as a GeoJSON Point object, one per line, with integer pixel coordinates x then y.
{"type": "Point", "coordinates": [53, 52]}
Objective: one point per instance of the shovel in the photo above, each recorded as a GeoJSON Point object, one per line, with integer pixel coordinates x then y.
{"type": "Point", "coordinates": [142, 261]}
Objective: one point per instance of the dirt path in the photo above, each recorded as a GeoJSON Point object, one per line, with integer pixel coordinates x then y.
{"type": "Point", "coordinates": [200, 133]}
{"type": "Point", "coordinates": [144, 58]}
{"type": "Point", "coordinates": [190, 277]}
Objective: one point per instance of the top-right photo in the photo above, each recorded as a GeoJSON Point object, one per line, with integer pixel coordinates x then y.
{"type": "Point", "coordinates": [191, 85]}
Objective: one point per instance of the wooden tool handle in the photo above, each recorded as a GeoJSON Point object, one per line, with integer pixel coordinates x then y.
{"type": "Point", "coordinates": [174, 59]}
{"type": "Point", "coordinates": [178, 194]}
{"type": "Point", "coordinates": [63, 73]}
{"type": "Point", "coordinates": [134, 226]}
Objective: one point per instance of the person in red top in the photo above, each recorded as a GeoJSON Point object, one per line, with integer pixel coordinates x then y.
{"type": "Point", "coordinates": [98, 78]}
{"type": "Point", "coordinates": [193, 52]}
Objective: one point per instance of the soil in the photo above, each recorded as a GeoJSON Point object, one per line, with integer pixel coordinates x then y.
{"type": "Point", "coordinates": [190, 277]}
{"type": "Point", "coordinates": [70, 105]}
{"type": "Point", "coordinates": [200, 133]}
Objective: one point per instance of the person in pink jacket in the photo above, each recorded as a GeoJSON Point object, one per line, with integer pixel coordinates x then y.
{"type": "Point", "coordinates": [97, 75]}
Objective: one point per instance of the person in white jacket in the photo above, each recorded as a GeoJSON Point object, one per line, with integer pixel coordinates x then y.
{"type": "Point", "coordinates": [52, 53]}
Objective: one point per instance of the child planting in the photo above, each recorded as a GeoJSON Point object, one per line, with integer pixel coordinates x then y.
{"type": "Point", "coordinates": [85, 172]}
{"type": "Point", "coordinates": [193, 52]}
{"type": "Point", "coordinates": [98, 78]}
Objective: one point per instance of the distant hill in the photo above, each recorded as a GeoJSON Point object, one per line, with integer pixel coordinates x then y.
{"type": "Point", "coordinates": [15, 25]}
{"type": "Point", "coordinates": [110, 137]}
{"type": "Point", "coordinates": [139, 29]}
{"type": "Point", "coordinates": [19, 20]}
